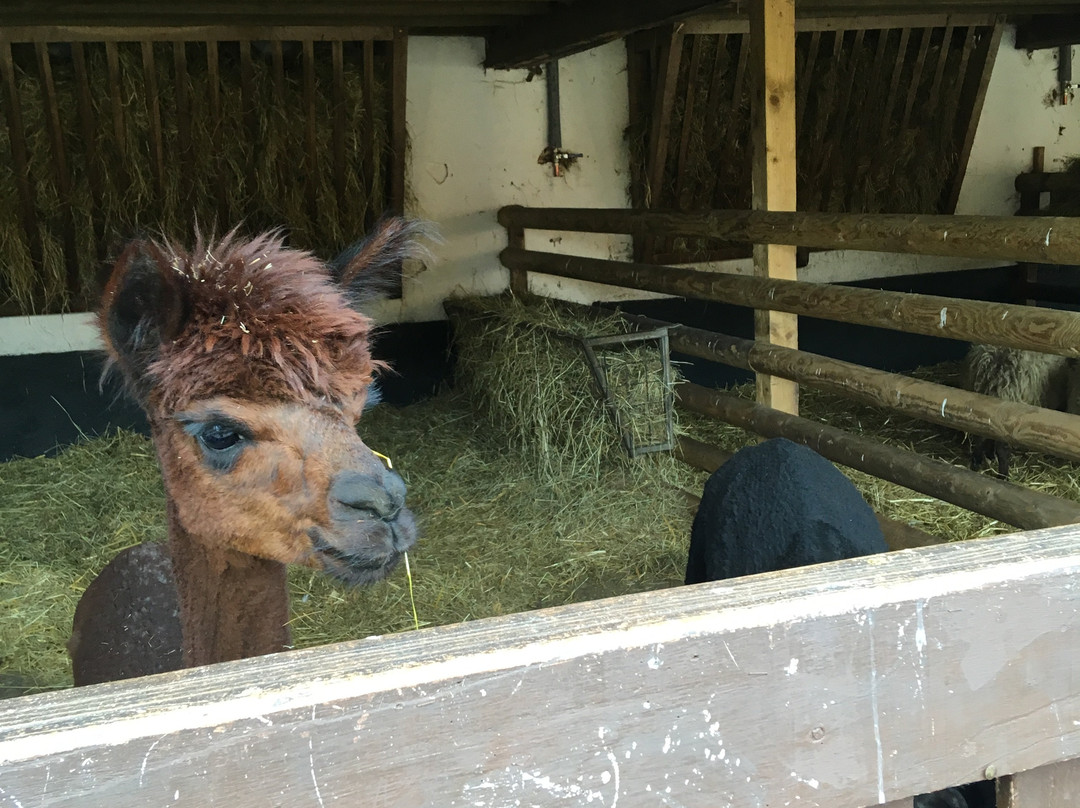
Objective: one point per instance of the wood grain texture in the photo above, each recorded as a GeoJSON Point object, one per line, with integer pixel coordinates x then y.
{"type": "Point", "coordinates": [1053, 786]}
{"type": "Point", "coordinates": [1038, 329]}
{"type": "Point", "coordinates": [772, 107]}
{"type": "Point", "coordinates": [996, 498]}
{"type": "Point", "coordinates": [1041, 239]}
{"type": "Point", "coordinates": [838, 685]}
{"type": "Point", "coordinates": [1019, 424]}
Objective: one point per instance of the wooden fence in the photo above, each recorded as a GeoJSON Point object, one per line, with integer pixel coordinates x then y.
{"type": "Point", "coordinates": [1034, 239]}
{"type": "Point", "coordinates": [842, 685]}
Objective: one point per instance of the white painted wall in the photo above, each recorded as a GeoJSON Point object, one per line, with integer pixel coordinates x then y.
{"type": "Point", "coordinates": [475, 136]}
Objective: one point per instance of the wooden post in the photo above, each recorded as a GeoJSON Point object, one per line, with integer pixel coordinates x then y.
{"type": "Point", "coordinates": [772, 50]}
{"type": "Point", "coordinates": [1053, 786]}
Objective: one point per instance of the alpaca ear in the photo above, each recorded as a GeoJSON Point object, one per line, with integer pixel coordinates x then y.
{"type": "Point", "coordinates": [371, 267]}
{"type": "Point", "coordinates": [143, 306]}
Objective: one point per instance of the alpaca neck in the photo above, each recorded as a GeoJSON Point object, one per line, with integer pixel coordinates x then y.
{"type": "Point", "coordinates": [232, 605]}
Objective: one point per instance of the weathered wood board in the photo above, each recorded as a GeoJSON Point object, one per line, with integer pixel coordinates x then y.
{"type": "Point", "coordinates": [851, 684]}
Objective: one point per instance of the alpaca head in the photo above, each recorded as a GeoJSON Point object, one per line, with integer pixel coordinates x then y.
{"type": "Point", "coordinates": [253, 369]}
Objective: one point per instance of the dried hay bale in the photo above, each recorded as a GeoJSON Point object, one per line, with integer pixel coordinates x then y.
{"type": "Point", "coordinates": [521, 363]}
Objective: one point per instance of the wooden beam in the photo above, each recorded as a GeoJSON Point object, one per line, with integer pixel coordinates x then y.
{"type": "Point", "coordinates": [1041, 239]}
{"type": "Point", "coordinates": [851, 666]}
{"type": "Point", "coordinates": [972, 98]}
{"type": "Point", "coordinates": [772, 107]}
{"type": "Point", "coordinates": [981, 493]}
{"type": "Point", "coordinates": [1054, 786]}
{"type": "Point", "coordinates": [49, 32]}
{"type": "Point", "coordinates": [1049, 31]}
{"type": "Point", "coordinates": [399, 74]}
{"type": "Point", "coordinates": [1040, 329]}
{"type": "Point", "coordinates": [579, 26]}
{"type": "Point", "coordinates": [1057, 433]}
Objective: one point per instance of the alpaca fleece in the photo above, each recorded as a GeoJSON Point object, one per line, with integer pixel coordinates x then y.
{"type": "Point", "coordinates": [775, 506]}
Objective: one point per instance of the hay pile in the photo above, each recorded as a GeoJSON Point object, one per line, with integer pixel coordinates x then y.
{"type": "Point", "coordinates": [504, 527]}
{"type": "Point", "coordinates": [522, 365]}
{"type": "Point", "coordinates": [496, 538]}
{"type": "Point", "coordinates": [254, 166]}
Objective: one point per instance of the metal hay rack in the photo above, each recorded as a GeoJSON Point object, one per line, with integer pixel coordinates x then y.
{"type": "Point", "coordinates": [634, 379]}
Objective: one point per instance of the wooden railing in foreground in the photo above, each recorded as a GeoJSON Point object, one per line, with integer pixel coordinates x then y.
{"type": "Point", "coordinates": [850, 684]}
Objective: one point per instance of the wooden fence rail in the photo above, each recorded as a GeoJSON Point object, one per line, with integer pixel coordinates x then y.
{"type": "Point", "coordinates": [841, 685]}
{"type": "Point", "coordinates": [1036, 239]}
{"type": "Point", "coordinates": [1018, 424]}
{"type": "Point", "coordinates": [1027, 327]}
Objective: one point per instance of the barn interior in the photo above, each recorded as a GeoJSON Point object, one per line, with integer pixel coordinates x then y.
{"type": "Point", "coordinates": [123, 118]}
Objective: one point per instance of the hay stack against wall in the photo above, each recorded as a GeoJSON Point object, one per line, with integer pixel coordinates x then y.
{"type": "Point", "coordinates": [522, 365]}
{"type": "Point", "coordinates": [228, 156]}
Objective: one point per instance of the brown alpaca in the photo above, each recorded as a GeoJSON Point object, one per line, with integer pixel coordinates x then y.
{"type": "Point", "coordinates": [253, 369]}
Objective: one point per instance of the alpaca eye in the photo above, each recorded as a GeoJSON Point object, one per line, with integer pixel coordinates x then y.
{"type": "Point", "coordinates": [219, 437]}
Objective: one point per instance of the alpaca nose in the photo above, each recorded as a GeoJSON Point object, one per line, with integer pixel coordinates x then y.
{"type": "Point", "coordinates": [382, 495]}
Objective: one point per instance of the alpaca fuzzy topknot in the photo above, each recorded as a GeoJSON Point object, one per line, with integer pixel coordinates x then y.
{"type": "Point", "coordinates": [253, 368]}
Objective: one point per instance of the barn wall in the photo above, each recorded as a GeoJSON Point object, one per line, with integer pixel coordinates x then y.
{"type": "Point", "coordinates": [475, 136]}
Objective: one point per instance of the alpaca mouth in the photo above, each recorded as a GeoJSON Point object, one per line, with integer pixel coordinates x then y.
{"type": "Point", "coordinates": [354, 568]}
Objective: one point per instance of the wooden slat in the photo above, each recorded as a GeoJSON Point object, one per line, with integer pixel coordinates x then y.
{"type": "Point", "coordinates": [772, 46]}
{"type": "Point", "coordinates": [810, 21]}
{"type": "Point", "coordinates": [399, 72]}
{"type": "Point", "coordinates": [1039, 329]}
{"type": "Point", "coordinates": [337, 60]}
{"type": "Point", "coordinates": [61, 173]}
{"type": "Point", "coordinates": [1041, 239]}
{"type": "Point", "coordinates": [689, 103]}
{"type": "Point", "coordinates": [850, 667]}
{"type": "Point", "coordinates": [213, 83]}
{"type": "Point", "coordinates": [88, 129]}
{"type": "Point", "coordinates": [842, 122]}
{"type": "Point", "coordinates": [717, 109]}
{"type": "Point", "coordinates": [802, 84]}
{"type": "Point", "coordinates": [250, 118]}
{"type": "Point", "coordinates": [153, 113]}
{"type": "Point", "coordinates": [939, 70]}
{"type": "Point", "coordinates": [183, 114]}
{"type": "Point", "coordinates": [1018, 424]}
{"type": "Point", "coordinates": [861, 122]}
{"type": "Point", "coordinates": [992, 497]}
{"type": "Point", "coordinates": [24, 182]}
{"type": "Point", "coordinates": [519, 280]}
{"type": "Point", "coordinates": [574, 27]}
{"type": "Point", "coordinates": [189, 33]}
{"type": "Point", "coordinates": [826, 117]}
{"type": "Point", "coordinates": [369, 157]}
{"type": "Point", "coordinates": [1053, 786]}
{"type": "Point", "coordinates": [311, 146]}
{"type": "Point", "coordinates": [670, 56]}
{"type": "Point", "coordinates": [916, 76]}
{"type": "Point", "coordinates": [894, 83]}
{"type": "Point", "coordinates": [972, 97]}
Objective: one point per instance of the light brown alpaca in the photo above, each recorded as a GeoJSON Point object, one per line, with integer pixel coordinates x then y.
{"type": "Point", "coordinates": [253, 369]}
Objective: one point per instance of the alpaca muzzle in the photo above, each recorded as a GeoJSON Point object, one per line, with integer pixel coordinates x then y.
{"type": "Point", "coordinates": [370, 526]}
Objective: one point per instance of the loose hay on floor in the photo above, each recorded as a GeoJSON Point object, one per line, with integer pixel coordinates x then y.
{"type": "Point", "coordinates": [499, 533]}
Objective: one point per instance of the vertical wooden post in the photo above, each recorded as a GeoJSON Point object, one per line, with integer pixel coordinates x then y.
{"type": "Point", "coordinates": [399, 74]}
{"type": "Point", "coordinates": [772, 50]}
{"type": "Point", "coordinates": [1053, 786]}
{"type": "Point", "coordinates": [519, 278]}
